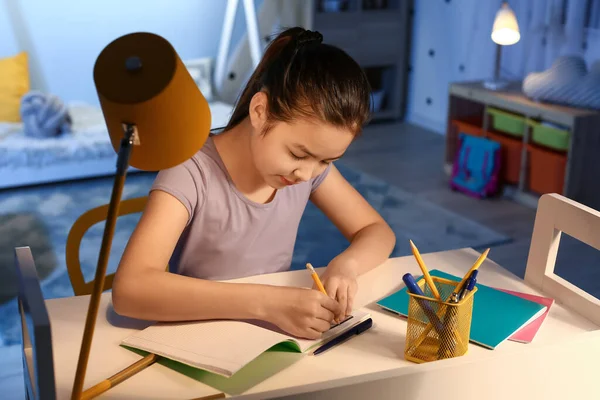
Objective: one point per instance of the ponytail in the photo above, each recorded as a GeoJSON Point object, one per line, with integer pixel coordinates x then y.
{"type": "Point", "coordinates": [304, 77]}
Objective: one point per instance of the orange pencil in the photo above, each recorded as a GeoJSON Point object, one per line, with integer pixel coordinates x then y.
{"type": "Point", "coordinates": [316, 278]}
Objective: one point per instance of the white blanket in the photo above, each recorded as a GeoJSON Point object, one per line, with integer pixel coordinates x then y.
{"type": "Point", "coordinates": [89, 139]}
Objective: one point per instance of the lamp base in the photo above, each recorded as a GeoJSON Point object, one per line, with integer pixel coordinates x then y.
{"type": "Point", "coordinates": [495, 84]}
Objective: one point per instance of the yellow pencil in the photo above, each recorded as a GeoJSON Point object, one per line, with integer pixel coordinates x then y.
{"type": "Point", "coordinates": [119, 377]}
{"type": "Point", "coordinates": [316, 278]}
{"type": "Point", "coordinates": [425, 271]}
{"type": "Point", "coordinates": [475, 266]}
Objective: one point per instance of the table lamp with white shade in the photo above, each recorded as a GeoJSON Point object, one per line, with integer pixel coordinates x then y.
{"type": "Point", "coordinates": [505, 32]}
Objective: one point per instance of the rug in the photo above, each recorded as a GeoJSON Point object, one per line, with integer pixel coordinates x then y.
{"type": "Point", "coordinates": [41, 217]}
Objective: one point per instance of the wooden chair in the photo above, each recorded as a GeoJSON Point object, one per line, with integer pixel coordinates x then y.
{"type": "Point", "coordinates": [38, 364]}
{"type": "Point", "coordinates": [556, 214]}
{"type": "Point", "coordinates": [78, 230]}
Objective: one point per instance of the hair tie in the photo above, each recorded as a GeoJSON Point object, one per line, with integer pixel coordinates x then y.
{"type": "Point", "coordinates": [308, 37]}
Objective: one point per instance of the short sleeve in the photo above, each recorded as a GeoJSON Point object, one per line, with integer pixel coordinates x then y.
{"type": "Point", "coordinates": [185, 182]}
{"type": "Point", "coordinates": [317, 180]}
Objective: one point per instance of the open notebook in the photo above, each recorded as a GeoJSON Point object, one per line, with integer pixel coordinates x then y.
{"type": "Point", "coordinates": [224, 346]}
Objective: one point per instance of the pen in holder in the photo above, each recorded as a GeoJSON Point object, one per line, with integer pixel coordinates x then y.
{"type": "Point", "coordinates": [438, 329]}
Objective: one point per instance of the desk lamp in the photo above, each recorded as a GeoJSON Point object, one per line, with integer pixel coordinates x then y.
{"type": "Point", "coordinates": [505, 32]}
{"type": "Point", "coordinates": [156, 118]}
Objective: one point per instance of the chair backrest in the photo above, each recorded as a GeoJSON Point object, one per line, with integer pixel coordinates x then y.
{"type": "Point", "coordinates": [78, 230]}
{"type": "Point", "coordinates": [557, 214]}
{"type": "Point", "coordinates": [38, 364]}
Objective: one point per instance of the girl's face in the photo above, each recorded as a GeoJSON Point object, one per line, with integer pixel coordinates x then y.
{"type": "Point", "coordinates": [291, 153]}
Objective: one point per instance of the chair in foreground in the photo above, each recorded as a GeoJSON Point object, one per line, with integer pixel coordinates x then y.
{"type": "Point", "coordinates": [38, 364]}
{"type": "Point", "coordinates": [556, 214]}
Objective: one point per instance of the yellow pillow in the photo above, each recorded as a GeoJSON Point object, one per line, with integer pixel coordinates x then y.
{"type": "Point", "coordinates": [14, 84]}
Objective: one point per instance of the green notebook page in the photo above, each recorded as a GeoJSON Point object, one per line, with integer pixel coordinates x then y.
{"type": "Point", "coordinates": [496, 314]}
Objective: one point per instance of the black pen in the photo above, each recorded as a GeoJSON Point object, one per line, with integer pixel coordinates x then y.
{"type": "Point", "coordinates": [357, 330]}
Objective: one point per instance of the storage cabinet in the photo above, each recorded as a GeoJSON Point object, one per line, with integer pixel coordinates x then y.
{"type": "Point", "coordinates": [546, 148]}
{"type": "Point", "coordinates": [546, 169]}
{"type": "Point", "coordinates": [512, 149]}
{"type": "Point", "coordinates": [376, 33]}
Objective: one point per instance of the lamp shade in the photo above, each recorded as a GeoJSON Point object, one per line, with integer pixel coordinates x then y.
{"type": "Point", "coordinates": [141, 80]}
{"type": "Point", "coordinates": [506, 29]}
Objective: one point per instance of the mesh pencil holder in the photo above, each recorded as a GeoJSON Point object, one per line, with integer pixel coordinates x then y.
{"type": "Point", "coordinates": [438, 329]}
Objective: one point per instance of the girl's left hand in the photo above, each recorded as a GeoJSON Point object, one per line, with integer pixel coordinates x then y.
{"type": "Point", "coordinates": [340, 284]}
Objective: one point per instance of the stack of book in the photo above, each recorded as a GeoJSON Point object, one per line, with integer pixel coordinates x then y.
{"type": "Point", "coordinates": [498, 314]}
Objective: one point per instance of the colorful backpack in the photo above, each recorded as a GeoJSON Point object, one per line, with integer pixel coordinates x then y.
{"type": "Point", "coordinates": [476, 169]}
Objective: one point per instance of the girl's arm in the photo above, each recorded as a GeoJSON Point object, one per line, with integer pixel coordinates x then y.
{"type": "Point", "coordinates": [371, 238]}
{"type": "Point", "coordinates": [144, 289]}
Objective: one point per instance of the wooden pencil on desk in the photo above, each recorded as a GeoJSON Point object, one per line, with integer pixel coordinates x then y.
{"type": "Point", "coordinates": [128, 372]}
{"type": "Point", "coordinates": [119, 377]}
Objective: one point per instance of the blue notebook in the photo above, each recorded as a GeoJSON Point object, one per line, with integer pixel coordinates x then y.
{"type": "Point", "coordinates": [496, 314]}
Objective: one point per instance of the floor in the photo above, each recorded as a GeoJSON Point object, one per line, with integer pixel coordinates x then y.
{"type": "Point", "coordinates": [411, 158]}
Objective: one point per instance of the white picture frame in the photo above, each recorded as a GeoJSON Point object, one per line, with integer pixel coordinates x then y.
{"type": "Point", "coordinates": [201, 71]}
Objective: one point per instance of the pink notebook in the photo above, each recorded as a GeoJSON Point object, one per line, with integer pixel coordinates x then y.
{"type": "Point", "coordinates": [528, 332]}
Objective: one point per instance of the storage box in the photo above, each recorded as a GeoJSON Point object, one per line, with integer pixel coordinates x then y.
{"type": "Point", "coordinates": [550, 135]}
{"type": "Point", "coordinates": [506, 122]}
{"type": "Point", "coordinates": [511, 156]}
{"type": "Point", "coordinates": [546, 170]}
{"type": "Point", "coordinates": [471, 126]}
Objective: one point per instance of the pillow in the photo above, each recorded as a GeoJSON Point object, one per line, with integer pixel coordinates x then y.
{"type": "Point", "coordinates": [14, 84]}
{"type": "Point", "coordinates": [566, 82]}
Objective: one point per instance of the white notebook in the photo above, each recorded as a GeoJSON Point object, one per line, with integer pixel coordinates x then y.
{"type": "Point", "coordinates": [224, 346]}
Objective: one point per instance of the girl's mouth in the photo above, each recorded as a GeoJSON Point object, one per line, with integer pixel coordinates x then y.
{"type": "Point", "coordinates": [285, 181]}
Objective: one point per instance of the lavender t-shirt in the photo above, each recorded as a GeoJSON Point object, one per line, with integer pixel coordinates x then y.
{"type": "Point", "coordinates": [227, 235]}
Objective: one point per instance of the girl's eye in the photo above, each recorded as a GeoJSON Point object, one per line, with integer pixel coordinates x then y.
{"type": "Point", "coordinates": [296, 157]}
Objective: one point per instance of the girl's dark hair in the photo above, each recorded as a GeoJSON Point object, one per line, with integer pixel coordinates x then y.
{"type": "Point", "coordinates": [304, 77]}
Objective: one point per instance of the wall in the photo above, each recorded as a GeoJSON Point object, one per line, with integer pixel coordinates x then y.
{"type": "Point", "coordinates": [64, 37]}
{"type": "Point", "coordinates": [451, 42]}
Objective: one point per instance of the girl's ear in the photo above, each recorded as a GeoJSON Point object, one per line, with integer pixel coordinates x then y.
{"type": "Point", "coordinates": [258, 111]}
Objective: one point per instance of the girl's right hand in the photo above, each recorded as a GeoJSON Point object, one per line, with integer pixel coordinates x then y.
{"type": "Point", "coordinates": [301, 312]}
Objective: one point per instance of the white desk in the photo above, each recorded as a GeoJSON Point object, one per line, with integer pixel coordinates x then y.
{"type": "Point", "coordinates": [371, 365]}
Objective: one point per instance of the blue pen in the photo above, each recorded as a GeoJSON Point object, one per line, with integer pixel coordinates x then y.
{"type": "Point", "coordinates": [474, 275]}
{"type": "Point", "coordinates": [468, 287]}
{"type": "Point", "coordinates": [412, 287]}
{"type": "Point", "coordinates": [463, 291]}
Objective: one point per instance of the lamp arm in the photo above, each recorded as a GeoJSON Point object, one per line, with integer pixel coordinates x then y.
{"type": "Point", "coordinates": [129, 139]}
{"type": "Point", "coordinates": [498, 63]}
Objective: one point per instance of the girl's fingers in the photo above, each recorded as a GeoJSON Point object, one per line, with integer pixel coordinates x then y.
{"type": "Point", "coordinates": [331, 287]}
{"type": "Point", "coordinates": [320, 325]}
{"type": "Point", "coordinates": [312, 333]}
{"type": "Point", "coordinates": [352, 289]}
{"type": "Point", "coordinates": [325, 315]}
{"type": "Point", "coordinates": [342, 298]}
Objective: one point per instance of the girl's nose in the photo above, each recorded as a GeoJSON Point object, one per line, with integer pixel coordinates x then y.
{"type": "Point", "coordinates": [303, 174]}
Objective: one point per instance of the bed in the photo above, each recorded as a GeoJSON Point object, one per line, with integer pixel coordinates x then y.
{"type": "Point", "coordinates": [86, 152]}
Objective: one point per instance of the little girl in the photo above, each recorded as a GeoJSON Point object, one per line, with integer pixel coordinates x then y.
{"type": "Point", "coordinates": [233, 209]}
